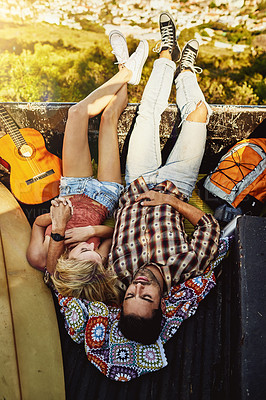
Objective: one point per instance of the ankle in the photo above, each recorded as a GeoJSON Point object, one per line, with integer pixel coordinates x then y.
{"type": "Point", "coordinates": [127, 73]}
{"type": "Point", "coordinates": [186, 70]}
{"type": "Point", "coordinates": [165, 54]}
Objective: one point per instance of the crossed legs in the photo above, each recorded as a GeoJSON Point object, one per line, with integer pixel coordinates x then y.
{"type": "Point", "coordinates": [111, 97]}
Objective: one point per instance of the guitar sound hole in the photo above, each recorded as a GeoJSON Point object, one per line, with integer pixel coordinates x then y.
{"type": "Point", "coordinates": [25, 151]}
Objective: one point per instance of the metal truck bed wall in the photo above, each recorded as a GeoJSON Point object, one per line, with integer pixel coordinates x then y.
{"type": "Point", "coordinates": [220, 352]}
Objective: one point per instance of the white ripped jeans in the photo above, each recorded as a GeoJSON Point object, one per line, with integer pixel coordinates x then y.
{"type": "Point", "coordinates": [144, 154]}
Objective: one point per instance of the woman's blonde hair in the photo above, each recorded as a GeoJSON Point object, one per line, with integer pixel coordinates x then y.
{"type": "Point", "coordinates": [85, 279]}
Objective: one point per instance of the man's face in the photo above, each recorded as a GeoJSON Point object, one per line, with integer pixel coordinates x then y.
{"type": "Point", "coordinates": [143, 295]}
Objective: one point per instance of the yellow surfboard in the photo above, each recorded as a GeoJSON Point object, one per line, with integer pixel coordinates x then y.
{"type": "Point", "coordinates": [31, 364]}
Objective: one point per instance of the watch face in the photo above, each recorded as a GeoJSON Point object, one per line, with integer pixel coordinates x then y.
{"type": "Point", "coordinates": [57, 237]}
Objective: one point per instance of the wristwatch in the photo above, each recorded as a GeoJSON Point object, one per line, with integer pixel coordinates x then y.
{"type": "Point", "coordinates": [57, 237]}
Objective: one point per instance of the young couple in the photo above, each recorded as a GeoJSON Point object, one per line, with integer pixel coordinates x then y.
{"type": "Point", "coordinates": [136, 263]}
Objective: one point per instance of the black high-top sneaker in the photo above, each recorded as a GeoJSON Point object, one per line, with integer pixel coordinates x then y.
{"type": "Point", "coordinates": [188, 58]}
{"type": "Point", "coordinates": [168, 36]}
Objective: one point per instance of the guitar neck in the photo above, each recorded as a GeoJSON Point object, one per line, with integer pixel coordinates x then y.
{"type": "Point", "coordinates": [11, 128]}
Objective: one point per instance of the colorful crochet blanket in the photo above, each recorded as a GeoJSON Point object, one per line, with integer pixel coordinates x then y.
{"type": "Point", "coordinates": [96, 325]}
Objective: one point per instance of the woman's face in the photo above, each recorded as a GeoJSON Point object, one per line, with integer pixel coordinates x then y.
{"type": "Point", "coordinates": [85, 252]}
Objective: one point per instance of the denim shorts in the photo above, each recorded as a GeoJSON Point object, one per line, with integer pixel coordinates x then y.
{"type": "Point", "coordinates": [105, 193]}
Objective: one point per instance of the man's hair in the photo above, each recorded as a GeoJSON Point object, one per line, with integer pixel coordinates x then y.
{"type": "Point", "coordinates": [86, 280]}
{"type": "Point", "coordinates": [140, 329]}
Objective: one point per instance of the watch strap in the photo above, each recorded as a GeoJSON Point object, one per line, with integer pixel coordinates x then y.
{"type": "Point", "coordinates": [57, 237]}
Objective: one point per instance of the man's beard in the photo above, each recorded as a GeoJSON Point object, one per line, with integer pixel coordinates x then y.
{"type": "Point", "coordinates": [144, 271]}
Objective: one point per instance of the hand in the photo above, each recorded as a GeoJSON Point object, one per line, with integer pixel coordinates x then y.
{"type": "Point", "coordinates": [80, 234]}
{"type": "Point", "coordinates": [153, 198]}
{"type": "Point", "coordinates": [61, 211]}
{"type": "Point", "coordinates": [65, 201]}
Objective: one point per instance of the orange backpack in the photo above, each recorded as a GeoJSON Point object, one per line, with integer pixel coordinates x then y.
{"type": "Point", "coordinates": [240, 176]}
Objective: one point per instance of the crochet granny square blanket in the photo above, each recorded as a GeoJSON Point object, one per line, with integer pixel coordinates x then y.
{"type": "Point", "coordinates": [96, 325]}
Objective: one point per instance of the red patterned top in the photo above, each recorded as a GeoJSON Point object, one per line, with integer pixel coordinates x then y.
{"type": "Point", "coordinates": [85, 212]}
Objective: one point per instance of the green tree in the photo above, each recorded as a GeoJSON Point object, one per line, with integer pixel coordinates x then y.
{"type": "Point", "coordinates": [243, 94]}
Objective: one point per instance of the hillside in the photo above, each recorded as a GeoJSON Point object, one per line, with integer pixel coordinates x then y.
{"type": "Point", "coordinates": [49, 62]}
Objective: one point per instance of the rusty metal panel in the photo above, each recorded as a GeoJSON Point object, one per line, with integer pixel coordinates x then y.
{"type": "Point", "coordinates": [227, 125]}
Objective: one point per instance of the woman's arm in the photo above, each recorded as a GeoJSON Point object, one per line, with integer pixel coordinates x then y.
{"type": "Point", "coordinates": [38, 246]}
{"type": "Point", "coordinates": [84, 233]}
{"type": "Point", "coordinates": [104, 249]}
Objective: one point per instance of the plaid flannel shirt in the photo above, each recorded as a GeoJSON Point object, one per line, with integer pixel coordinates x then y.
{"type": "Point", "coordinates": [156, 235]}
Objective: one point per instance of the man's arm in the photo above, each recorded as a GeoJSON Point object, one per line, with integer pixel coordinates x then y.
{"type": "Point", "coordinates": [38, 246]}
{"type": "Point", "coordinates": [202, 247]}
{"type": "Point", "coordinates": [55, 250]}
{"type": "Point", "coordinates": [61, 212]}
{"type": "Point", "coordinates": [153, 198]}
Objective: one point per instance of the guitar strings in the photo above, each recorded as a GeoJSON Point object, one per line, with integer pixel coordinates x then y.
{"type": "Point", "coordinates": [19, 142]}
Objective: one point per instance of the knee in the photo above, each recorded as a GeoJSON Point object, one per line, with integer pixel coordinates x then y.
{"type": "Point", "coordinates": [77, 112]}
{"type": "Point", "coordinates": [200, 114]}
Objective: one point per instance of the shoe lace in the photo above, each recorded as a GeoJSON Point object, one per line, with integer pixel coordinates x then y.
{"type": "Point", "coordinates": [157, 47]}
{"type": "Point", "coordinates": [167, 36]}
{"type": "Point", "coordinates": [187, 61]}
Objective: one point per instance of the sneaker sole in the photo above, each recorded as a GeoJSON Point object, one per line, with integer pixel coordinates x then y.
{"type": "Point", "coordinates": [115, 31]}
{"type": "Point", "coordinates": [144, 58]}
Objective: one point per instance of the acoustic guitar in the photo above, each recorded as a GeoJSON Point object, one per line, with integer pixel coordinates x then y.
{"type": "Point", "coordinates": [34, 172]}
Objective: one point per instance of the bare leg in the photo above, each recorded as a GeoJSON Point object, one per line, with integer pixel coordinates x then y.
{"type": "Point", "coordinates": [198, 115]}
{"type": "Point", "coordinates": [108, 154]}
{"type": "Point", "coordinates": [165, 54]}
{"type": "Point", "coordinates": [76, 152]}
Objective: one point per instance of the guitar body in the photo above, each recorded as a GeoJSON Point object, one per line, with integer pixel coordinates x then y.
{"type": "Point", "coordinates": [34, 172]}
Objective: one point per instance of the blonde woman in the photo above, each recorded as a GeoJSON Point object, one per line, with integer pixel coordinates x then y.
{"type": "Point", "coordinates": [71, 243]}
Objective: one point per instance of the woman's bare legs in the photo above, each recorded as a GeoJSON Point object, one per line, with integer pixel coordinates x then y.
{"type": "Point", "coordinates": [108, 150]}
{"type": "Point", "coordinates": [76, 152]}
